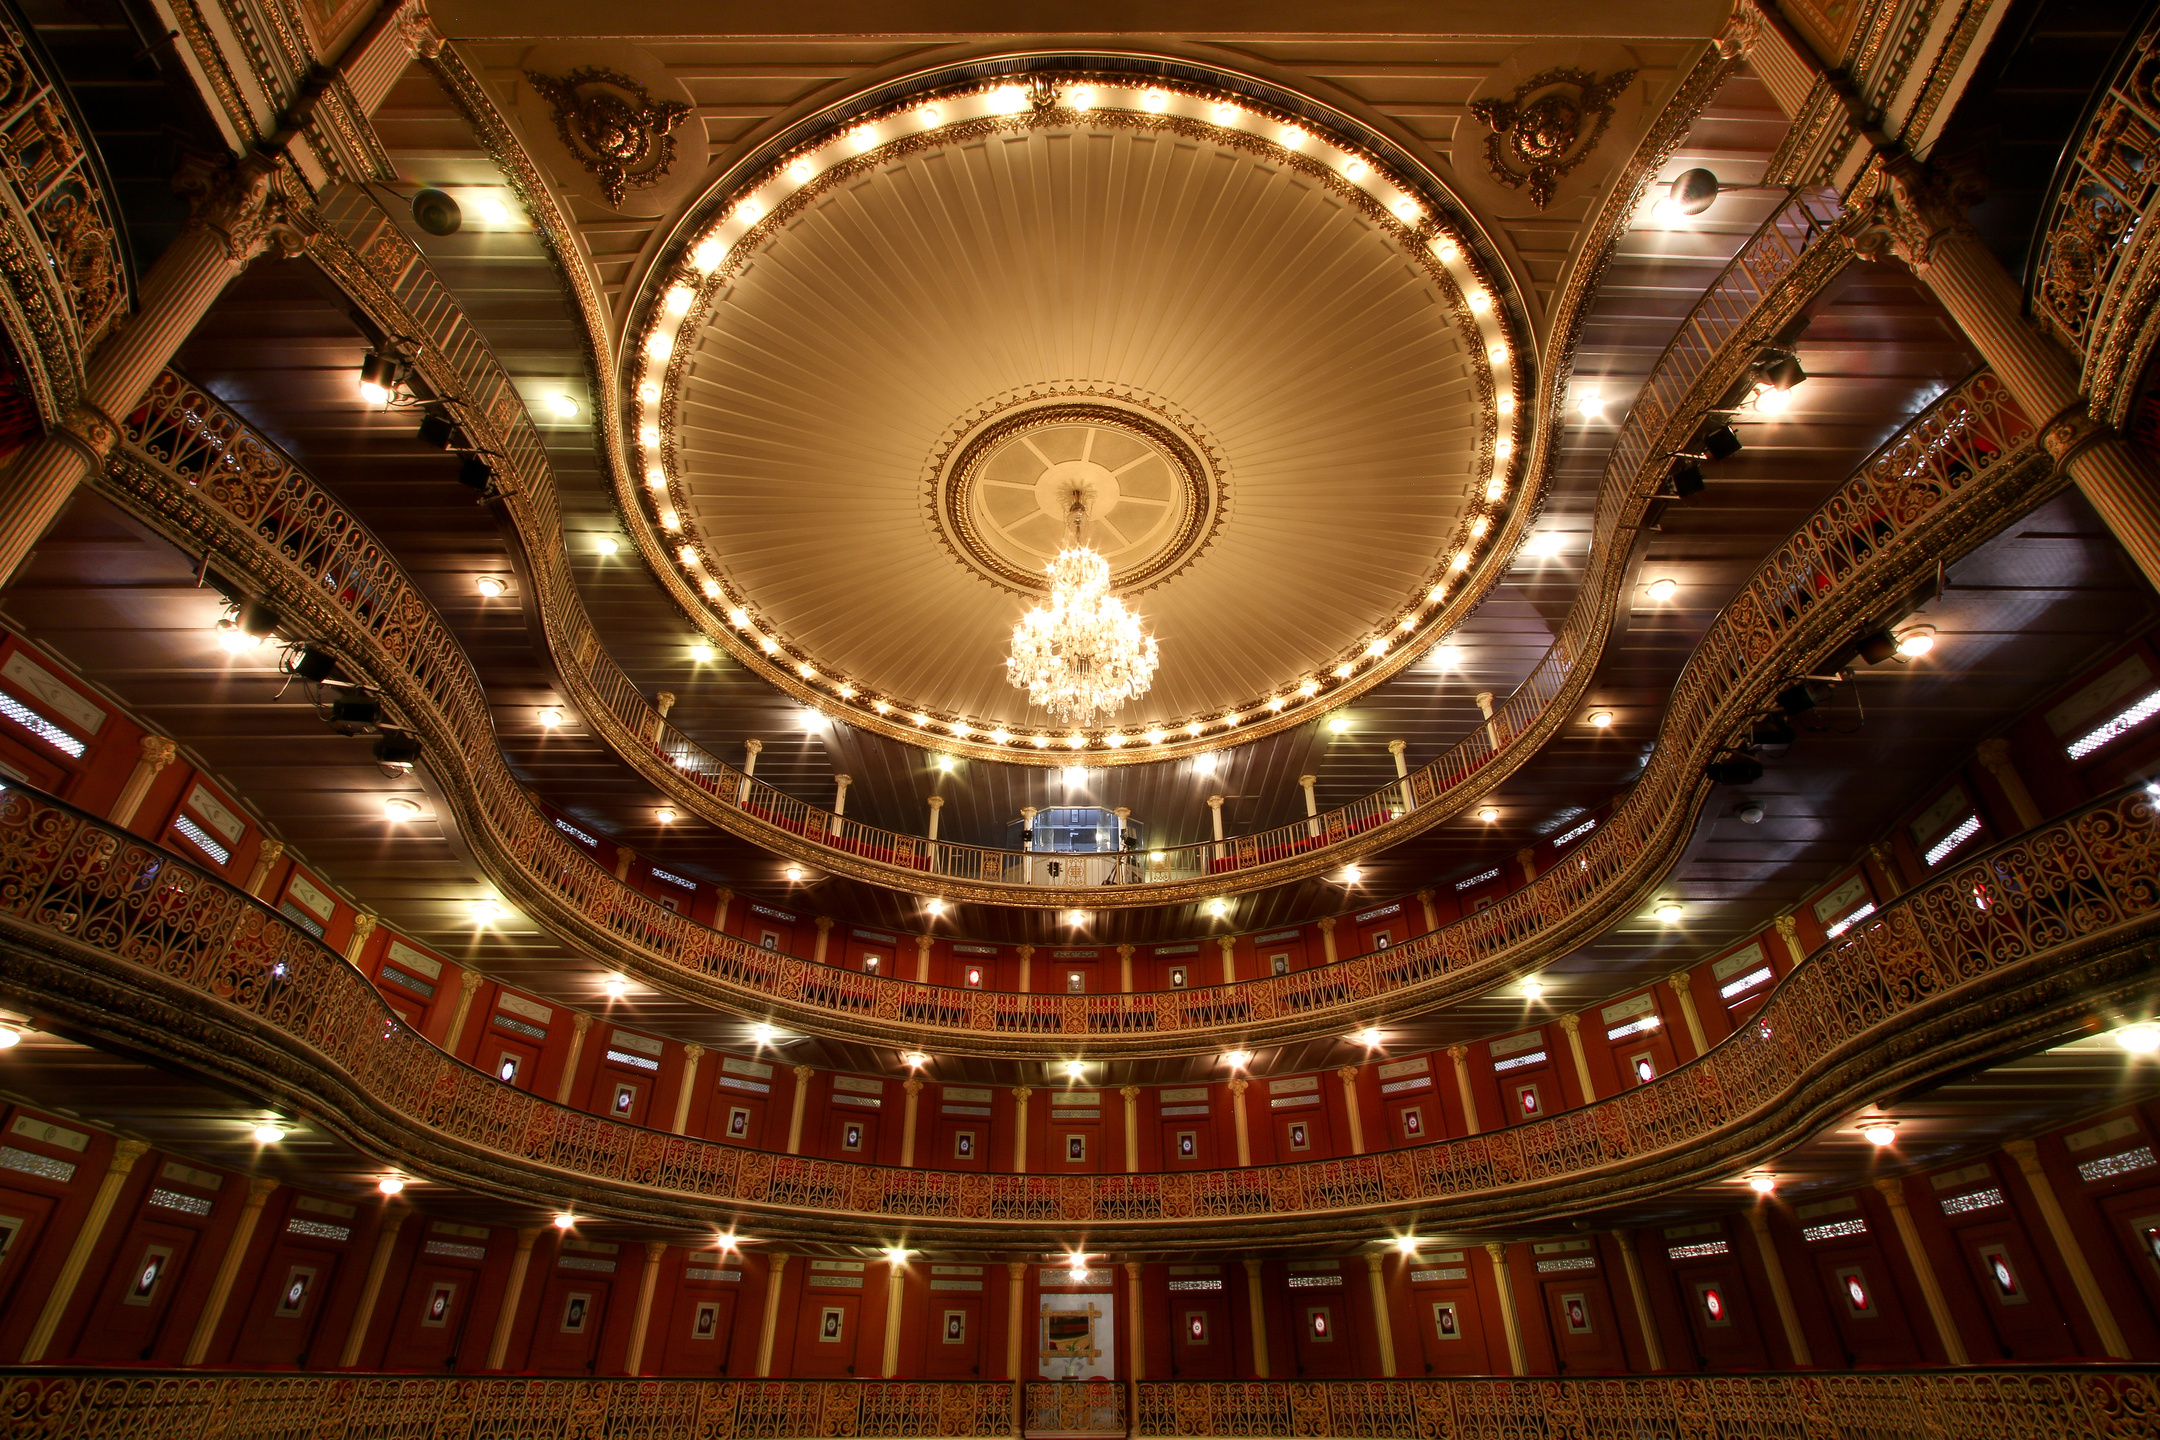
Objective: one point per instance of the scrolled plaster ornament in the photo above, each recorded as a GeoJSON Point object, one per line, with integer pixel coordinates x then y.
{"type": "Point", "coordinates": [614, 127]}
{"type": "Point", "coordinates": [1548, 127]}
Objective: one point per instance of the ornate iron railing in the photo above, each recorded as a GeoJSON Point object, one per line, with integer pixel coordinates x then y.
{"type": "Point", "coordinates": [1886, 1001]}
{"type": "Point", "coordinates": [724, 795]}
{"type": "Point", "coordinates": [1958, 468]}
{"type": "Point", "coordinates": [1077, 1407]}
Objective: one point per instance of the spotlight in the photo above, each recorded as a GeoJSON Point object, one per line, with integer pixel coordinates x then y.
{"type": "Point", "coordinates": [1772, 730]}
{"type": "Point", "coordinates": [1879, 1133]}
{"type": "Point", "coordinates": [1663, 589]}
{"type": "Point", "coordinates": [1237, 1059]}
{"type": "Point", "coordinates": [491, 585]}
{"type": "Point", "coordinates": [1600, 719]}
{"type": "Point", "coordinates": [896, 1256]}
{"type": "Point", "coordinates": [437, 432]}
{"type": "Point", "coordinates": [359, 714]}
{"type": "Point", "coordinates": [1722, 443]}
{"type": "Point", "coordinates": [1751, 814]}
{"type": "Point", "coordinates": [1218, 908]}
{"type": "Point", "coordinates": [391, 1184]}
{"type": "Point", "coordinates": [258, 619]}
{"type": "Point", "coordinates": [1688, 480]}
{"type": "Point", "coordinates": [269, 1134]}
{"type": "Point", "coordinates": [1407, 1244]}
{"type": "Point", "coordinates": [1533, 989]}
{"type": "Point", "coordinates": [1076, 1069]}
{"type": "Point", "coordinates": [549, 718]}
{"type": "Point", "coordinates": [1669, 913]}
{"type": "Point", "coordinates": [2139, 1039]}
{"type": "Point", "coordinates": [945, 764]}
{"type": "Point", "coordinates": [378, 378]}
{"type": "Point", "coordinates": [615, 986]}
{"type": "Point", "coordinates": [1761, 1184]}
{"type": "Point", "coordinates": [436, 213]}
{"type": "Point", "coordinates": [564, 1219]}
{"type": "Point", "coordinates": [915, 1059]}
{"type": "Point", "coordinates": [1782, 372]}
{"type": "Point", "coordinates": [235, 640]}
{"type": "Point", "coordinates": [761, 1034]}
{"type": "Point", "coordinates": [1692, 191]}
{"type": "Point", "coordinates": [1769, 400]}
{"type": "Point", "coordinates": [1916, 642]}
{"type": "Point", "coordinates": [1878, 647]}
{"type": "Point", "coordinates": [398, 751]}
{"type": "Point", "coordinates": [313, 665]}
{"type": "Point", "coordinates": [397, 807]}
{"type": "Point", "coordinates": [474, 474]}
{"type": "Point", "coordinates": [1488, 815]}
{"type": "Point", "coordinates": [1369, 1037]}
{"type": "Point", "coordinates": [1739, 770]}
{"type": "Point", "coordinates": [934, 906]}
{"type": "Point", "coordinates": [1798, 699]}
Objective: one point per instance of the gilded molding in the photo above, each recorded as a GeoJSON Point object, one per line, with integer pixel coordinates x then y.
{"type": "Point", "coordinates": [1535, 142]}
{"type": "Point", "coordinates": [621, 135]}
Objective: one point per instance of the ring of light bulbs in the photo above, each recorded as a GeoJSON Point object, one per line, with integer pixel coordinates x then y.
{"type": "Point", "coordinates": [709, 257]}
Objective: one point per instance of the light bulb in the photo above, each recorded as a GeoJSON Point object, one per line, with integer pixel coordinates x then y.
{"type": "Point", "coordinates": [679, 298]}
{"type": "Point", "coordinates": [1077, 1069]}
{"type": "Point", "coordinates": [1082, 98]}
{"type": "Point", "coordinates": [1218, 908]}
{"type": "Point", "coordinates": [1600, 719]}
{"type": "Point", "coordinates": [1663, 589]}
{"type": "Point", "coordinates": [929, 115]}
{"type": "Point", "coordinates": [935, 907]}
{"type": "Point", "coordinates": [373, 393]}
{"type": "Point", "coordinates": [761, 1034]}
{"type": "Point", "coordinates": [1769, 400]}
{"type": "Point", "coordinates": [701, 653]}
{"type": "Point", "coordinates": [1488, 814]}
{"type": "Point", "coordinates": [1352, 874]}
{"type": "Point", "coordinates": [1237, 1059]}
{"type": "Point", "coordinates": [896, 1256]}
{"type": "Point", "coordinates": [491, 585]}
{"type": "Point", "coordinates": [1339, 725]}
{"type": "Point", "coordinates": [1204, 764]}
{"type": "Point", "coordinates": [10, 1037]}
{"type": "Point", "coordinates": [794, 874]}
{"type": "Point", "coordinates": [1761, 1184]}
{"type": "Point", "coordinates": [1075, 775]}
{"type": "Point", "coordinates": [665, 814]}
{"type": "Point", "coordinates": [915, 1059]}
{"type": "Point", "coordinates": [1915, 643]}
{"type": "Point", "coordinates": [1407, 1244]}
{"type": "Point", "coordinates": [1369, 1037]}
{"type": "Point", "coordinates": [2140, 1039]}
{"type": "Point", "coordinates": [564, 407]}
{"type": "Point", "coordinates": [1292, 137]}
{"type": "Point", "coordinates": [606, 545]}
{"type": "Point", "coordinates": [391, 1184]}
{"type": "Point", "coordinates": [1008, 99]}
{"type": "Point", "coordinates": [1590, 405]}
{"type": "Point", "coordinates": [1533, 989]}
{"type": "Point", "coordinates": [862, 137]}
{"type": "Point", "coordinates": [564, 1219]}
{"type": "Point", "coordinates": [1155, 101]}
{"type": "Point", "coordinates": [267, 1134]}
{"type": "Point", "coordinates": [487, 911]}
{"type": "Point", "coordinates": [1669, 912]}
{"type": "Point", "coordinates": [491, 209]}
{"type": "Point", "coordinates": [1076, 917]}
{"type": "Point", "coordinates": [550, 717]}
{"type": "Point", "coordinates": [397, 807]}
{"type": "Point", "coordinates": [1880, 1134]}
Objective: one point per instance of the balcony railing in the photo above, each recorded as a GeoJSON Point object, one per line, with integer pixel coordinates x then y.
{"type": "Point", "coordinates": [1953, 474]}
{"type": "Point", "coordinates": [2042, 927]}
{"type": "Point", "coordinates": [723, 795]}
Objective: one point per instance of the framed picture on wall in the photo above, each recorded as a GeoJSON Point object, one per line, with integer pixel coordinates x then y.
{"type": "Point", "coordinates": [576, 1310]}
{"type": "Point", "coordinates": [1853, 1290]}
{"type": "Point", "coordinates": [738, 1123]}
{"type": "Point", "coordinates": [1075, 1148]}
{"type": "Point", "coordinates": [1575, 1314]}
{"type": "Point", "coordinates": [851, 1135]}
{"type": "Point", "coordinates": [1300, 1136]}
{"type": "Point", "coordinates": [955, 1327]}
{"type": "Point", "coordinates": [441, 1298]}
{"type": "Point", "coordinates": [1446, 1323]}
{"type": "Point", "coordinates": [705, 1322]}
{"type": "Point", "coordinates": [1716, 1312]}
{"type": "Point", "coordinates": [293, 1298]}
{"type": "Point", "coordinates": [507, 1067]}
{"type": "Point", "coordinates": [963, 1144]}
{"type": "Point", "coordinates": [149, 1273]}
{"type": "Point", "coordinates": [1188, 1144]}
{"type": "Point", "coordinates": [1278, 964]}
{"type": "Point", "coordinates": [1320, 1324]}
{"type": "Point", "coordinates": [830, 1323]}
{"type": "Point", "coordinates": [1995, 1261]}
{"type": "Point", "coordinates": [625, 1098]}
{"type": "Point", "coordinates": [1644, 1068]}
{"type": "Point", "coordinates": [769, 940]}
{"type": "Point", "coordinates": [1413, 1122]}
{"type": "Point", "coordinates": [1196, 1328]}
{"type": "Point", "coordinates": [1177, 977]}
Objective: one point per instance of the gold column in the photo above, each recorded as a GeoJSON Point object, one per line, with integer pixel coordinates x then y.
{"type": "Point", "coordinates": [1312, 805]}
{"type": "Point", "coordinates": [1508, 1323]}
{"type": "Point", "coordinates": [937, 806]}
{"type": "Point", "coordinates": [723, 900]}
{"type": "Point", "coordinates": [1886, 861]}
{"type": "Point", "coordinates": [1572, 1024]}
{"type": "Point", "coordinates": [363, 928]}
{"type": "Point", "coordinates": [895, 1295]}
{"type": "Point", "coordinates": [803, 1076]}
{"type": "Point", "coordinates": [266, 857]}
{"type": "Point", "coordinates": [579, 1024]}
{"type": "Point", "coordinates": [1238, 1085]}
{"type": "Point", "coordinates": [469, 982]}
{"type": "Point", "coordinates": [691, 1055]}
{"type": "Point", "coordinates": [1402, 773]}
{"type": "Point", "coordinates": [1256, 1313]}
{"type": "Point", "coordinates": [1135, 1320]}
{"type": "Point", "coordinates": [1780, 1292]}
{"type": "Point", "coordinates": [663, 703]}
{"type": "Point", "coordinates": [1124, 966]}
{"type": "Point", "coordinates": [1995, 757]}
{"type": "Point", "coordinates": [156, 752]}
{"type": "Point", "coordinates": [824, 934]}
{"type": "Point", "coordinates": [2027, 1156]}
{"type": "Point", "coordinates": [1327, 937]}
{"type": "Point", "coordinates": [1027, 965]}
{"type": "Point", "coordinates": [1683, 994]}
{"type": "Point", "coordinates": [1527, 859]}
{"type": "Point", "coordinates": [625, 857]}
{"type": "Point", "coordinates": [228, 1271]}
{"type": "Point", "coordinates": [1492, 731]}
{"type": "Point", "coordinates": [1432, 916]}
{"type": "Point", "coordinates": [1348, 1074]}
{"type": "Point", "coordinates": [913, 1089]}
{"type": "Point", "coordinates": [513, 1291]}
{"type": "Point", "coordinates": [839, 801]}
{"type": "Point", "coordinates": [1383, 1323]}
{"type": "Point", "coordinates": [1214, 805]}
{"type": "Point", "coordinates": [1930, 1288]}
{"type": "Point", "coordinates": [87, 1235]}
{"type": "Point", "coordinates": [751, 747]}
{"type": "Point", "coordinates": [1131, 1094]}
{"type": "Point", "coordinates": [1020, 1096]}
{"type": "Point", "coordinates": [1788, 930]}
{"type": "Point", "coordinates": [641, 1324]}
{"type": "Point", "coordinates": [1653, 1347]}
{"type": "Point", "coordinates": [776, 1268]}
{"type": "Point", "coordinates": [1460, 1055]}
{"type": "Point", "coordinates": [1017, 1325]}
{"type": "Point", "coordinates": [922, 959]}
{"type": "Point", "coordinates": [386, 1234]}
{"type": "Point", "coordinates": [1228, 945]}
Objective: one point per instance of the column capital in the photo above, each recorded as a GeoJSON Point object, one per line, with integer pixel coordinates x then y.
{"type": "Point", "coordinates": [1239, 1084]}
{"type": "Point", "coordinates": [1214, 802]}
{"type": "Point", "coordinates": [1124, 952]}
{"type": "Point", "coordinates": [843, 781]}
{"type": "Point", "coordinates": [125, 1154]}
{"type": "Point", "coordinates": [243, 204]}
{"type": "Point", "coordinates": [1027, 952]}
{"type": "Point", "coordinates": [1396, 747]}
{"type": "Point", "coordinates": [664, 702]}
{"type": "Point", "coordinates": [1426, 895]}
{"type": "Point", "coordinates": [804, 1074]}
{"type": "Point", "coordinates": [1348, 1075]}
{"type": "Point", "coordinates": [259, 1188]}
{"type": "Point", "coordinates": [1458, 1052]}
{"type": "Point", "coordinates": [1497, 1251]}
{"type": "Point", "coordinates": [824, 923]}
{"type": "Point", "coordinates": [1373, 1259]}
{"type": "Point", "coordinates": [580, 1021]}
{"type": "Point", "coordinates": [1252, 1265]}
{"type": "Point", "coordinates": [1020, 1093]}
{"type": "Point", "coordinates": [753, 745]}
{"type": "Point", "coordinates": [1788, 930]}
{"type": "Point", "coordinates": [1308, 781]}
{"type": "Point", "coordinates": [1910, 212]}
{"type": "Point", "coordinates": [935, 802]}
{"type": "Point", "coordinates": [2026, 1153]}
{"type": "Point", "coordinates": [1027, 812]}
{"type": "Point", "coordinates": [912, 1086]}
{"type": "Point", "coordinates": [157, 751]}
{"type": "Point", "coordinates": [1327, 924]}
{"type": "Point", "coordinates": [1016, 1269]}
{"type": "Point", "coordinates": [420, 34]}
{"type": "Point", "coordinates": [1131, 1093]}
{"type": "Point", "coordinates": [654, 1249]}
{"type": "Point", "coordinates": [1571, 1023]}
{"type": "Point", "coordinates": [1123, 812]}
{"type": "Point", "coordinates": [1893, 1191]}
{"type": "Point", "coordinates": [527, 1236]}
{"type": "Point", "coordinates": [1993, 752]}
{"type": "Point", "coordinates": [1226, 942]}
{"type": "Point", "coordinates": [778, 1260]}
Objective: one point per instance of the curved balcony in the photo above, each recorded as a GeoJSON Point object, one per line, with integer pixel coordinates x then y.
{"type": "Point", "coordinates": [128, 945]}
{"type": "Point", "coordinates": [1935, 490]}
{"type": "Point", "coordinates": [1788, 259]}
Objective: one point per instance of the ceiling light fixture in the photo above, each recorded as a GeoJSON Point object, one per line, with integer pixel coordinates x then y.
{"type": "Point", "coordinates": [1085, 653]}
{"type": "Point", "coordinates": [1533, 989]}
{"type": "Point", "coordinates": [1204, 764]}
{"type": "Point", "coordinates": [1406, 1244]}
{"type": "Point", "coordinates": [944, 764]}
{"type": "Point", "coordinates": [1916, 642]}
{"type": "Point", "coordinates": [665, 814]}
{"type": "Point", "coordinates": [1601, 719]}
{"type": "Point", "coordinates": [1663, 589]}
{"type": "Point", "coordinates": [1880, 1132]}
{"type": "Point", "coordinates": [268, 1133]}
{"type": "Point", "coordinates": [564, 407]}
{"type": "Point", "coordinates": [397, 807]}
{"type": "Point", "coordinates": [378, 378]}
{"type": "Point", "coordinates": [1761, 1184]}
{"type": "Point", "coordinates": [487, 912]}
{"type": "Point", "coordinates": [549, 718]}
{"type": "Point", "coordinates": [1352, 874]}
{"type": "Point", "coordinates": [701, 653]}
{"type": "Point", "coordinates": [391, 1184]}
{"type": "Point", "coordinates": [1369, 1037]}
{"type": "Point", "coordinates": [1076, 917]}
{"type": "Point", "coordinates": [10, 1036]}
{"type": "Point", "coordinates": [794, 874]}
{"type": "Point", "coordinates": [1488, 814]}
{"type": "Point", "coordinates": [1590, 405]}
{"type": "Point", "coordinates": [1075, 775]}
{"type": "Point", "coordinates": [1670, 912]}
{"type": "Point", "coordinates": [1218, 908]}
{"type": "Point", "coordinates": [915, 1059]}
{"type": "Point", "coordinates": [2140, 1039]}
{"type": "Point", "coordinates": [1339, 725]}
{"type": "Point", "coordinates": [564, 1219]}
{"type": "Point", "coordinates": [934, 906]}
{"type": "Point", "coordinates": [1237, 1059]}
{"type": "Point", "coordinates": [762, 1034]}
{"type": "Point", "coordinates": [491, 585]}
{"type": "Point", "coordinates": [615, 986]}
{"type": "Point", "coordinates": [606, 545]}
{"type": "Point", "coordinates": [894, 1255]}
{"type": "Point", "coordinates": [1076, 1069]}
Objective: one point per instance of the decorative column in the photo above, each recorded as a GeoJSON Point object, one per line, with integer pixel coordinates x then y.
{"type": "Point", "coordinates": [1124, 966]}
{"type": "Point", "coordinates": [373, 62]}
{"type": "Point", "coordinates": [1432, 916]}
{"type": "Point", "coordinates": [1117, 838]}
{"type": "Point", "coordinates": [1027, 847]}
{"type": "Point", "coordinates": [662, 703]}
{"type": "Point", "coordinates": [1527, 859]}
{"type": "Point", "coordinates": [1931, 1290]}
{"type": "Point", "coordinates": [625, 857]}
{"type": "Point", "coordinates": [1131, 1095]}
{"type": "Point", "coordinates": [1653, 1347]}
{"type": "Point", "coordinates": [1886, 864]}
{"type": "Point", "coordinates": [228, 1271]}
{"type": "Point", "coordinates": [87, 1236]}
{"type": "Point", "coordinates": [1460, 1055]}
{"type": "Point", "coordinates": [1136, 1321]}
{"type": "Point", "coordinates": [1312, 805]}
{"type": "Point", "coordinates": [1508, 1323]}
{"type": "Point", "coordinates": [751, 747]}
{"type": "Point", "coordinates": [1020, 1096]}
{"type": "Point", "coordinates": [691, 1055]}
{"type": "Point", "coordinates": [641, 1323]}
{"type": "Point", "coordinates": [1027, 964]}
{"type": "Point", "coordinates": [266, 858]}
{"type": "Point", "coordinates": [1238, 1085]}
{"type": "Point", "coordinates": [1492, 737]}
{"type": "Point", "coordinates": [1780, 1292]}
{"type": "Point", "coordinates": [238, 211]}
{"type": "Point", "coordinates": [912, 1087]}
{"type": "Point", "coordinates": [895, 1296]}
{"type": "Point", "coordinates": [155, 753]}
{"type": "Point", "coordinates": [2027, 1156]}
{"type": "Point", "coordinates": [1327, 937]}
{"type": "Point", "coordinates": [386, 1233]}
{"type": "Point", "coordinates": [1572, 1024]}
{"type": "Point", "coordinates": [722, 901]}
{"type": "Point", "coordinates": [513, 1290]}
{"type": "Point", "coordinates": [1995, 758]}
{"type": "Point", "coordinates": [1228, 945]}
{"type": "Point", "coordinates": [469, 982]}
{"type": "Point", "coordinates": [922, 959]}
{"type": "Point", "coordinates": [1214, 805]}
{"type": "Point", "coordinates": [1788, 930]}
{"type": "Point", "coordinates": [1683, 994]}
{"type": "Point", "coordinates": [1383, 1323]}
{"type": "Point", "coordinates": [1256, 1313]}
{"type": "Point", "coordinates": [1016, 1327]}
{"type": "Point", "coordinates": [824, 935]}
{"type": "Point", "coordinates": [936, 804]}
{"type": "Point", "coordinates": [579, 1024]}
{"type": "Point", "coordinates": [803, 1076]}
{"type": "Point", "coordinates": [1914, 216]}
{"type": "Point", "coordinates": [776, 1268]}
{"type": "Point", "coordinates": [363, 927]}
{"type": "Point", "coordinates": [1348, 1074]}
{"type": "Point", "coordinates": [1397, 748]}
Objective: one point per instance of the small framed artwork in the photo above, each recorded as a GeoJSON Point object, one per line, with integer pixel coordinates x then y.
{"type": "Point", "coordinates": [1382, 940]}
{"type": "Point", "coordinates": [872, 964]}
{"type": "Point", "coordinates": [1196, 1327]}
{"type": "Point", "coordinates": [441, 1300]}
{"type": "Point", "coordinates": [507, 1067]}
{"type": "Point", "coordinates": [1320, 1324]}
{"type": "Point", "coordinates": [293, 1298]}
{"type": "Point", "coordinates": [669, 903]}
{"type": "Point", "coordinates": [1278, 964]}
{"type": "Point", "coordinates": [1300, 1135]}
{"type": "Point", "coordinates": [577, 1309]}
{"type": "Point", "coordinates": [1177, 977]}
{"type": "Point", "coordinates": [1075, 1148]}
{"type": "Point", "coordinates": [1853, 1289]}
{"type": "Point", "coordinates": [1716, 1313]}
{"type": "Point", "coordinates": [1528, 1102]}
{"type": "Point", "coordinates": [738, 1123]}
{"type": "Point", "coordinates": [625, 1098]}
{"type": "Point", "coordinates": [770, 940]}
{"type": "Point", "coordinates": [1188, 1144]}
{"type": "Point", "coordinates": [1413, 1122]}
{"type": "Point", "coordinates": [705, 1321]}
{"type": "Point", "coordinates": [1995, 1260]}
{"type": "Point", "coordinates": [1447, 1324]}
{"type": "Point", "coordinates": [1575, 1314]}
{"type": "Point", "coordinates": [973, 978]}
{"type": "Point", "coordinates": [1076, 982]}
{"type": "Point", "coordinates": [963, 1144]}
{"type": "Point", "coordinates": [149, 1274]}
{"type": "Point", "coordinates": [830, 1323]}
{"type": "Point", "coordinates": [851, 1135]}
{"type": "Point", "coordinates": [1644, 1068]}
{"type": "Point", "coordinates": [956, 1327]}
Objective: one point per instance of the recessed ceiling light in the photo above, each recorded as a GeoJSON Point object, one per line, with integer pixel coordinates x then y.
{"type": "Point", "coordinates": [1076, 1068]}
{"type": "Point", "coordinates": [1600, 719]}
{"type": "Point", "coordinates": [487, 911]}
{"type": "Point", "coordinates": [1082, 98]}
{"type": "Point", "coordinates": [615, 986]}
{"type": "Point", "coordinates": [1354, 168]}
{"type": "Point", "coordinates": [564, 1219]}
{"type": "Point", "coordinates": [606, 545]}
{"type": "Point", "coordinates": [762, 1034]}
{"type": "Point", "coordinates": [1533, 989]}
{"type": "Point", "coordinates": [491, 209]}
{"type": "Point", "coordinates": [1670, 912]}
{"type": "Point", "coordinates": [1204, 764]}
{"type": "Point", "coordinates": [268, 1134]}
{"type": "Point", "coordinates": [701, 653]}
{"type": "Point", "coordinates": [934, 906]}
{"type": "Point", "coordinates": [665, 814]}
{"type": "Point", "coordinates": [1292, 137]}
{"type": "Point", "coordinates": [1590, 405]}
{"type": "Point", "coordinates": [1076, 917]}
{"type": "Point", "coordinates": [391, 1184]}
{"type": "Point", "coordinates": [862, 137]}
{"type": "Point", "coordinates": [1225, 114]}
{"type": "Point", "coordinates": [1407, 1244]}
{"type": "Point", "coordinates": [2139, 1039]}
{"type": "Point", "coordinates": [1155, 101]}
{"type": "Point", "coordinates": [1761, 1184]}
{"type": "Point", "coordinates": [794, 874]}
{"type": "Point", "coordinates": [1916, 642]}
{"type": "Point", "coordinates": [929, 115]}
{"type": "Point", "coordinates": [915, 1059]}
{"type": "Point", "coordinates": [1879, 1133]}
{"type": "Point", "coordinates": [397, 807]}
{"type": "Point", "coordinates": [1488, 814]}
{"type": "Point", "coordinates": [1339, 725]}
{"type": "Point", "coordinates": [1663, 589]}
{"type": "Point", "coordinates": [1237, 1059]}
{"type": "Point", "coordinates": [1352, 874]}
{"type": "Point", "coordinates": [564, 407]}
{"type": "Point", "coordinates": [491, 585]}
{"type": "Point", "coordinates": [1218, 908]}
{"type": "Point", "coordinates": [1369, 1037]}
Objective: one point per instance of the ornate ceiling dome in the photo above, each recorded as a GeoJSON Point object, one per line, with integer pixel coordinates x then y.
{"type": "Point", "coordinates": [1278, 384]}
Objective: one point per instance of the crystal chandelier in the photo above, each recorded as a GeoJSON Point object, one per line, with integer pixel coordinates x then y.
{"type": "Point", "coordinates": [1085, 653]}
